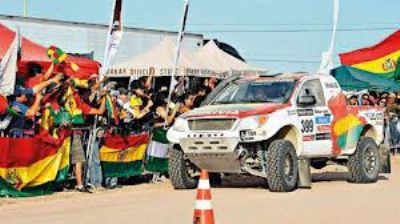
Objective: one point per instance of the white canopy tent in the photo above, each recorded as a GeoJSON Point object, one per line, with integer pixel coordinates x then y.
{"type": "Point", "coordinates": [216, 60]}
{"type": "Point", "coordinates": [159, 62]}
{"type": "Point", "coordinates": [207, 61]}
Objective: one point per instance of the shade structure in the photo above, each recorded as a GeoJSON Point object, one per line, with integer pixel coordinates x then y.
{"type": "Point", "coordinates": [159, 61]}
{"type": "Point", "coordinates": [353, 79]}
{"type": "Point", "coordinates": [215, 59]}
{"type": "Point", "coordinates": [33, 52]}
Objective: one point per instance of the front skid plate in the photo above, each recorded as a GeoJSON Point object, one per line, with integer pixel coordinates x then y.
{"type": "Point", "coordinates": [216, 162]}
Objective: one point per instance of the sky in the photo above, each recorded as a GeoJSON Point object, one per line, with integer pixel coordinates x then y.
{"type": "Point", "coordinates": [280, 35]}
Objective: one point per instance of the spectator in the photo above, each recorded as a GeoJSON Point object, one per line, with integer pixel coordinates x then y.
{"type": "Point", "coordinates": [36, 76]}
{"type": "Point", "coordinates": [365, 101]}
{"type": "Point", "coordinates": [187, 103]}
{"type": "Point", "coordinates": [353, 100]}
{"type": "Point", "coordinates": [200, 96]}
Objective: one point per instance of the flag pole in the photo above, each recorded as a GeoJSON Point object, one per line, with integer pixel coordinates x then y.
{"type": "Point", "coordinates": [25, 8]}
{"type": "Point", "coordinates": [179, 39]}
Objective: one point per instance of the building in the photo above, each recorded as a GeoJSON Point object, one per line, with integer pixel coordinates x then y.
{"type": "Point", "coordinates": [87, 38]}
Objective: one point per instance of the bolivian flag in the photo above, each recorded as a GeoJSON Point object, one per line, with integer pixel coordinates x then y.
{"type": "Point", "coordinates": [157, 153]}
{"type": "Point", "coordinates": [75, 106]}
{"type": "Point", "coordinates": [122, 156]}
{"type": "Point", "coordinates": [381, 59]}
{"type": "Point", "coordinates": [32, 166]}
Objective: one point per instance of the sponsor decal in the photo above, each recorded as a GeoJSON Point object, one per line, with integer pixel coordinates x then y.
{"type": "Point", "coordinates": [247, 135]}
{"type": "Point", "coordinates": [331, 85]}
{"type": "Point", "coordinates": [319, 111]}
{"type": "Point", "coordinates": [374, 116]}
{"type": "Point", "coordinates": [323, 120]}
{"type": "Point", "coordinates": [305, 112]}
{"type": "Point", "coordinates": [307, 126]}
{"type": "Point", "coordinates": [308, 138]}
{"type": "Point", "coordinates": [323, 136]}
{"type": "Point", "coordinates": [291, 112]}
{"type": "Point", "coordinates": [323, 128]}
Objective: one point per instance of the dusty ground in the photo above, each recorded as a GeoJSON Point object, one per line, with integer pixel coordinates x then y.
{"type": "Point", "coordinates": [331, 200]}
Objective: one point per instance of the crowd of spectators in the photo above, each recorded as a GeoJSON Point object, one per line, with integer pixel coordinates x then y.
{"type": "Point", "coordinates": [77, 103]}
{"type": "Point", "coordinates": [391, 102]}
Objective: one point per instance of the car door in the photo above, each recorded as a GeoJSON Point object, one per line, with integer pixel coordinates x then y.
{"type": "Point", "coordinates": [314, 120]}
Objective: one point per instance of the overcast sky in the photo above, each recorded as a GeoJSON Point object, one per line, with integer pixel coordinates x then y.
{"type": "Point", "coordinates": [282, 35]}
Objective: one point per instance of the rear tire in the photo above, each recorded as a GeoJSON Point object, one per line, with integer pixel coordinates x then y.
{"type": "Point", "coordinates": [178, 171]}
{"type": "Point", "coordinates": [282, 166]}
{"type": "Point", "coordinates": [364, 163]}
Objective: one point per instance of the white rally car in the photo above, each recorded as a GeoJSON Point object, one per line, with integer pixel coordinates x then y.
{"type": "Point", "coordinates": [276, 128]}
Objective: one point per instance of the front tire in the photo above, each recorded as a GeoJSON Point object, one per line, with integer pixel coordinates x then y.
{"type": "Point", "coordinates": [282, 166]}
{"type": "Point", "coordinates": [179, 172]}
{"type": "Point", "coordinates": [364, 163]}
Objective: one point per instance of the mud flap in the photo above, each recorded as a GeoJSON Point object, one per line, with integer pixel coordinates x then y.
{"type": "Point", "coordinates": [384, 157]}
{"type": "Point", "coordinates": [305, 178]}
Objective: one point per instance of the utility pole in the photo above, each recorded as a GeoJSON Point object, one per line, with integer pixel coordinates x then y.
{"type": "Point", "coordinates": [25, 8]}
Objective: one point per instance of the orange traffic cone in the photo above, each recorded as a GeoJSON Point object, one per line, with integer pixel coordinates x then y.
{"type": "Point", "coordinates": [203, 212]}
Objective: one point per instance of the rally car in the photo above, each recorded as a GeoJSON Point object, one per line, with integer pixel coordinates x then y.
{"type": "Point", "coordinates": [276, 128]}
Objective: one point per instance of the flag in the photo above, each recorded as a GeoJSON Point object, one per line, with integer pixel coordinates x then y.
{"type": "Point", "coordinates": [56, 54]}
{"type": "Point", "coordinates": [75, 106]}
{"type": "Point", "coordinates": [9, 67]}
{"type": "Point", "coordinates": [32, 166]}
{"type": "Point", "coordinates": [122, 156]}
{"type": "Point", "coordinates": [111, 109]}
{"type": "Point", "coordinates": [327, 57]}
{"type": "Point", "coordinates": [157, 153]}
{"type": "Point", "coordinates": [179, 39]}
{"type": "Point", "coordinates": [380, 59]}
{"type": "Point", "coordinates": [114, 36]}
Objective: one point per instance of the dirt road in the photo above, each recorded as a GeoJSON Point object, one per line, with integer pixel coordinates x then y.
{"type": "Point", "coordinates": [331, 200]}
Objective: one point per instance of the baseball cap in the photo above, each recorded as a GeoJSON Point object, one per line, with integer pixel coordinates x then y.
{"type": "Point", "coordinates": [19, 90]}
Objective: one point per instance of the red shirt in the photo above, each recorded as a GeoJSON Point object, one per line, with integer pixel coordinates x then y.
{"type": "Point", "coordinates": [31, 82]}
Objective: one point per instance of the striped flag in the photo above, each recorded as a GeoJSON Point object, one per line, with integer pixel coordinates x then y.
{"type": "Point", "coordinates": [114, 37]}
{"type": "Point", "coordinates": [9, 67]}
{"type": "Point", "coordinates": [122, 156]}
{"type": "Point", "coordinates": [157, 153]}
{"type": "Point", "coordinates": [31, 166]}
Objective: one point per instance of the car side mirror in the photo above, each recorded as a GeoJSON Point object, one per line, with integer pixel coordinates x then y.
{"type": "Point", "coordinates": [307, 101]}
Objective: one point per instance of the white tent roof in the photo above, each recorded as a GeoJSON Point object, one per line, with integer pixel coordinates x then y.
{"type": "Point", "coordinates": [215, 59]}
{"type": "Point", "coordinates": [159, 61]}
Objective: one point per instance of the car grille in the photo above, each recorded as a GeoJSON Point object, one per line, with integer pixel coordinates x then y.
{"type": "Point", "coordinates": [211, 124]}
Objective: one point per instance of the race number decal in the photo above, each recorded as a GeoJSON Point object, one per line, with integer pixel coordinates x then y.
{"type": "Point", "coordinates": [307, 126]}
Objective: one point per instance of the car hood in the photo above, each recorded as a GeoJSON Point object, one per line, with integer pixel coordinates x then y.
{"type": "Point", "coordinates": [234, 110]}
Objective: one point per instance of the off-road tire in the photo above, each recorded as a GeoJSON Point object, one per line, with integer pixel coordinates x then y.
{"type": "Point", "coordinates": [276, 155]}
{"type": "Point", "coordinates": [178, 171]}
{"type": "Point", "coordinates": [357, 163]}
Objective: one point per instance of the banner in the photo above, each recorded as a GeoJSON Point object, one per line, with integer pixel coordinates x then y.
{"type": "Point", "coordinates": [122, 156]}
{"type": "Point", "coordinates": [9, 67]}
{"type": "Point", "coordinates": [31, 166]}
{"type": "Point", "coordinates": [114, 37]}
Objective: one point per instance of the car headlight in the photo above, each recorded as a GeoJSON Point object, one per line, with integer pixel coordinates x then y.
{"type": "Point", "coordinates": [252, 122]}
{"type": "Point", "coordinates": [179, 125]}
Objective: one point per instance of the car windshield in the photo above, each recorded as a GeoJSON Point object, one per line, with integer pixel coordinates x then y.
{"type": "Point", "coordinates": [260, 91]}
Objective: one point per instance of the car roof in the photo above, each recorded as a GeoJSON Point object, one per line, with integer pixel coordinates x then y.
{"type": "Point", "coordinates": [294, 76]}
